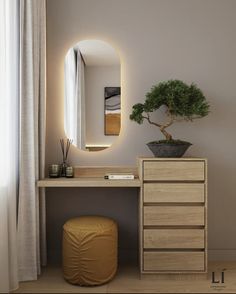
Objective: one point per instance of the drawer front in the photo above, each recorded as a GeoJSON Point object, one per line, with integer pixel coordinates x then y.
{"type": "Point", "coordinates": [173, 215]}
{"type": "Point", "coordinates": [173, 171]}
{"type": "Point", "coordinates": [173, 192]}
{"type": "Point", "coordinates": [174, 261]}
{"type": "Point", "coordinates": [174, 238]}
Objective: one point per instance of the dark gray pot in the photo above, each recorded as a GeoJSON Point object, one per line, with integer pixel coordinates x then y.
{"type": "Point", "coordinates": [168, 150]}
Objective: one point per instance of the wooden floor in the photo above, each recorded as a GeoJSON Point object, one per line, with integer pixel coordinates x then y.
{"type": "Point", "coordinates": [127, 281]}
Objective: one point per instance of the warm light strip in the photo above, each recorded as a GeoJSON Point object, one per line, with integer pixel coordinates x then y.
{"type": "Point", "coordinates": [97, 145]}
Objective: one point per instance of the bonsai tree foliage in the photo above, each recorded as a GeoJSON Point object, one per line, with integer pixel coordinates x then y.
{"type": "Point", "coordinates": [182, 103]}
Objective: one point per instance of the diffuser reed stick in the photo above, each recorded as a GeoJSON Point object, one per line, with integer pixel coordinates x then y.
{"type": "Point", "coordinates": [65, 147]}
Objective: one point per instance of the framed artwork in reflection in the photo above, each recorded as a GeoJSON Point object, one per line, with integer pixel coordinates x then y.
{"type": "Point", "coordinates": [112, 111]}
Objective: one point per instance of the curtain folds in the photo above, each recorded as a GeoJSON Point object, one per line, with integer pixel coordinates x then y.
{"type": "Point", "coordinates": [74, 116]}
{"type": "Point", "coordinates": [31, 210]}
{"type": "Point", "coordinates": [9, 32]}
{"type": "Point", "coordinates": [22, 133]}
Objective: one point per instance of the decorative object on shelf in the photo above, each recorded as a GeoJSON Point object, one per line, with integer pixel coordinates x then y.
{"type": "Point", "coordinates": [163, 148]}
{"type": "Point", "coordinates": [181, 103]}
{"type": "Point", "coordinates": [54, 171]}
{"type": "Point", "coordinates": [65, 147]}
{"type": "Point", "coordinates": [69, 172]}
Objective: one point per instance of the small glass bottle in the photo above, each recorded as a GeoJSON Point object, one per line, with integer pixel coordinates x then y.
{"type": "Point", "coordinates": [63, 168]}
{"type": "Point", "coordinates": [54, 171]}
{"type": "Point", "coordinates": [69, 172]}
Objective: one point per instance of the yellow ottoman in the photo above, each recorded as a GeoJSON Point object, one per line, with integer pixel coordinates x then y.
{"type": "Point", "coordinates": [89, 250]}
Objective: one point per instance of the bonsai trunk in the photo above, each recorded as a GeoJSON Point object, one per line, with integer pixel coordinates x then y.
{"type": "Point", "coordinates": [161, 127]}
{"type": "Point", "coordinates": [166, 134]}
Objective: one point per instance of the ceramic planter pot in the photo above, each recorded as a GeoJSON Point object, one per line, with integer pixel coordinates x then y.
{"type": "Point", "coordinates": [168, 150]}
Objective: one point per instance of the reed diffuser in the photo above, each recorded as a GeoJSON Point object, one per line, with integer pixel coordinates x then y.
{"type": "Point", "coordinates": [65, 147]}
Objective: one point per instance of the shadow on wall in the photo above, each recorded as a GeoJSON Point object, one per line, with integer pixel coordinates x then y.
{"type": "Point", "coordinates": [118, 204]}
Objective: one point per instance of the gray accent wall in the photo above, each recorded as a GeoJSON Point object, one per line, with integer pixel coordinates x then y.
{"type": "Point", "coordinates": [194, 41]}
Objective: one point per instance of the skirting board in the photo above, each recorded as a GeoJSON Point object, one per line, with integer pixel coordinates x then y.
{"type": "Point", "coordinates": [222, 254]}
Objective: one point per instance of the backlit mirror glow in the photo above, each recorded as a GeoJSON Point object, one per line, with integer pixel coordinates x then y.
{"type": "Point", "coordinates": [92, 110]}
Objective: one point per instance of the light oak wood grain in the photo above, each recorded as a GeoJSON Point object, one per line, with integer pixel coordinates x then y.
{"type": "Point", "coordinates": [174, 170]}
{"type": "Point", "coordinates": [140, 214]}
{"type": "Point", "coordinates": [93, 177]}
{"type": "Point", "coordinates": [174, 276]}
{"type": "Point", "coordinates": [206, 215]}
{"type": "Point", "coordinates": [173, 192]}
{"type": "Point", "coordinates": [87, 182]}
{"type": "Point", "coordinates": [174, 215]}
{"type": "Point", "coordinates": [96, 148]}
{"type": "Point", "coordinates": [101, 171]}
{"type": "Point", "coordinates": [127, 280]}
{"type": "Point", "coordinates": [166, 204]}
{"type": "Point", "coordinates": [174, 261]}
{"type": "Point", "coordinates": [173, 238]}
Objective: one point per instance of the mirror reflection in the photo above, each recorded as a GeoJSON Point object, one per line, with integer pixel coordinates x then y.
{"type": "Point", "coordinates": [92, 110]}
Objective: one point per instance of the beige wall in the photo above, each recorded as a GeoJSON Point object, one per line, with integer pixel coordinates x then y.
{"type": "Point", "coordinates": [191, 40]}
{"type": "Point", "coordinates": [96, 79]}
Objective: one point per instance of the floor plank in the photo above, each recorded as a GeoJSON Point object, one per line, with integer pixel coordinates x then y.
{"type": "Point", "coordinates": [128, 280]}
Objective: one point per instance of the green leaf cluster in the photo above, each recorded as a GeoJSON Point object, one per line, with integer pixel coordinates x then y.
{"type": "Point", "coordinates": [182, 101]}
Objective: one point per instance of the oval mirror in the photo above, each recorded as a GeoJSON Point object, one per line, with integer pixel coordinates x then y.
{"type": "Point", "coordinates": [92, 110]}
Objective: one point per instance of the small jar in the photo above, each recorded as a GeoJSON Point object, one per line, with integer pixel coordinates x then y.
{"type": "Point", "coordinates": [69, 172]}
{"type": "Point", "coordinates": [54, 171]}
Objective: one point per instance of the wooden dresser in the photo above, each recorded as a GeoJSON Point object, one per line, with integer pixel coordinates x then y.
{"type": "Point", "coordinates": [173, 215]}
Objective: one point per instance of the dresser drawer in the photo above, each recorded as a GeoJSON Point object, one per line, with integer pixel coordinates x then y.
{"type": "Point", "coordinates": [174, 238]}
{"type": "Point", "coordinates": [174, 261]}
{"type": "Point", "coordinates": [173, 215]}
{"type": "Point", "coordinates": [173, 171]}
{"type": "Point", "coordinates": [173, 192]}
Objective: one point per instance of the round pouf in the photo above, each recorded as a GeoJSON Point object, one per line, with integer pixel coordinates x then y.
{"type": "Point", "coordinates": [89, 250]}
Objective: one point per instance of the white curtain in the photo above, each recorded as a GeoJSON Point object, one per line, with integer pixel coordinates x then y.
{"type": "Point", "coordinates": [31, 211]}
{"type": "Point", "coordinates": [8, 143]}
{"type": "Point", "coordinates": [74, 114]}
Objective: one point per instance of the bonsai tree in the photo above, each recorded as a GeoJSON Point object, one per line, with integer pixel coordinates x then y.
{"type": "Point", "coordinates": [182, 103]}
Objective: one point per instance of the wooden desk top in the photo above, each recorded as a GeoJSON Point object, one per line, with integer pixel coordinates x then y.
{"type": "Point", "coordinates": [93, 177]}
{"type": "Point", "coordinates": [87, 182]}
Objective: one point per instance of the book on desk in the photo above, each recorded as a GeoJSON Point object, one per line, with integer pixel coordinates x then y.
{"type": "Point", "coordinates": [119, 176]}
